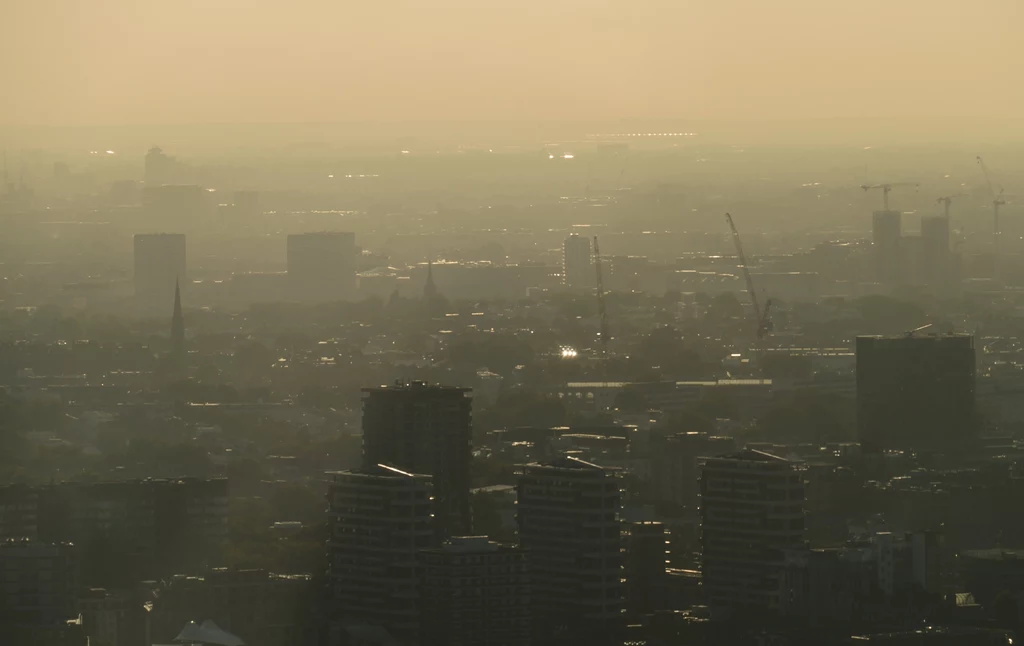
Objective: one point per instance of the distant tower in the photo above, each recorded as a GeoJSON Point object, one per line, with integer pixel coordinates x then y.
{"type": "Point", "coordinates": [430, 289]}
{"type": "Point", "coordinates": [159, 168]}
{"type": "Point", "coordinates": [576, 262]}
{"type": "Point", "coordinates": [177, 330]}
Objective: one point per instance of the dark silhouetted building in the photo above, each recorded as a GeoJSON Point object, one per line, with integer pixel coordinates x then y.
{"type": "Point", "coordinates": [422, 428]}
{"type": "Point", "coordinates": [577, 270]}
{"type": "Point", "coordinates": [379, 520]}
{"type": "Point", "coordinates": [936, 256]}
{"type": "Point", "coordinates": [915, 391]}
{"type": "Point", "coordinates": [322, 266]}
{"type": "Point", "coordinates": [262, 608]}
{"type": "Point", "coordinates": [567, 512]}
{"type": "Point", "coordinates": [645, 566]}
{"type": "Point", "coordinates": [475, 592]}
{"type": "Point", "coordinates": [674, 469]}
{"type": "Point", "coordinates": [39, 584]}
{"type": "Point", "coordinates": [159, 268]}
{"type": "Point", "coordinates": [126, 531]}
{"type": "Point", "coordinates": [886, 237]}
{"type": "Point", "coordinates": [751, 512]}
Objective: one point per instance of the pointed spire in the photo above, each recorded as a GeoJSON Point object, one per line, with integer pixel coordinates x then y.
{"type": "Point", "coordinates": [430, 289]}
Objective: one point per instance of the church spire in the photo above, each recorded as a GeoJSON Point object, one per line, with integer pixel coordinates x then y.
{"type": "Point", "coordinates": [430, 289]}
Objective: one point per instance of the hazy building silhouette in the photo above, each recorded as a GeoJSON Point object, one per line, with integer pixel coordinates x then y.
{"type": "Point", "coordinates": [164, 526]}
{"type": "Point", "coordinates": [915, 391]}
{"type": "Point", "coordinates": [379, 519]}
{"type": "Point", "coordinates": [886, 237]}
{"type": "Point", "coordinates": [424, 428]}
{"type": "Point", "coordinates": [475, 592]}
{"type": "Point", "coordinates": [159, 167]}
{"type": "Point", "coordinates": [322, 266]}
{"type": "Point", "coordinates": [674, 465]}
{"type": "Point", "coordinates": [567, 512]}
{"type": "Point", "coordinates": [751, 512]}
{"type": "Point", "coordinates": [577, 270]}
{"type": "Point", "coordinates": [936, 257]}
{"type": "Point", "coordinates": [159, 268]}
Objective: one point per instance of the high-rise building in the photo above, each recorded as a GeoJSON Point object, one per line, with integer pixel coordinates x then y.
{"type": "Point", "coordinates": [936, 257]}
{"type": "Point", "coordinates": [256, 605]}
{"type": "Point", "coordinates": [886, 236]}
{"type": "Point", "coordinates": [475, 592]}
{"type": "Point", "coordinates": [752, 512]}
{"type": "Point", "coordinates": [159, 268]}
{"type": "Point", "coordinates": [40, 584]}
{"type": "Point", "coordinates": [160, 168]}
{"type": "Point", "coordinates": [645, 567]}
{"type": "Point", "coordinates": [577, 270]}
{"type": "Point", "coordinates": [915, 391]}
{"type": "Point", "coordinates": [422, 428]}
{"type": "Point", "coordinates": [567, 512]}
{"type": "Point", "coordinates": [322, 266]}
{"type": "Point", "coordinates": [380, 518]}
{"type": "Point", "coordinates": [674, 468]}
{"type": "Point", "coordinates": [126, 531]}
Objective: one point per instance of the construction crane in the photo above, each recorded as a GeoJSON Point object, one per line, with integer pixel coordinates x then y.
{"type": "Point", "coordinates": [761, 317]}
{"type": "Point", "coordinates": [885, 190]}
{"type": "Point", "coordinates": [601, 311]}
{"type": "Point", "coordinates": [997, 201]}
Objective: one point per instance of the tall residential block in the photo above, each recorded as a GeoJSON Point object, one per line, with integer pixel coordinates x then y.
{"type": "Point", "coordinates": [380, 518]}
{"type": "Point", "coordinates": [751, 512]}
{"type": "Point", "coordinates": [424, 428]}
{"type": "Point", "coordinates": [475, 592]}
{"type": "Point", "coordinates": [886, 238]}
{"type": "Point", "coordinates": [577, 270]}
{"type": "Point", "coordinates": [567, 513]}
{"type": "Point", "coordinates": [915, 391]}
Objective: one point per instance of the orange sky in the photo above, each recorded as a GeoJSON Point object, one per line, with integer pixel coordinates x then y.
{"type": "Point", "coordinates": [187, 61]}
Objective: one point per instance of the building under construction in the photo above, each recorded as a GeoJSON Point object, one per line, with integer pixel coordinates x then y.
{"type": "Point", "coordinates": [915, 391]}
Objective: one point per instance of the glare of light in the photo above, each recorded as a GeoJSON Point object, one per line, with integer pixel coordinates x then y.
{"type": "Point", "coordinates": [405, 152]}
{"type": "Point", "coordinates": [330, 176]}
{"type": "Point", "coordinates": [551, 156]}
{"type": "Point", "coordinates": [110, 152]}
{"type": "Point", "coordinates": [568, 353]}
{"type": "Point", "coordinates": [568, 156]}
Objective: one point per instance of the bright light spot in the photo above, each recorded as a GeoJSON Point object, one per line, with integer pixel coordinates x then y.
{"type": "Point", "coordinates": [551, 156]}
{"type": "Point", "coordinates": [568, 353]}
{"type": "Point", "coordinates": [110, 152]}
{"type": "Point", "coordinates": [405, 152]}
{"type": "Point", "coordinates": [330, 176]}
{"type": "Point", "coordinates": [489, 150]}
{"type": "Point", "coordinates": [567, 156]}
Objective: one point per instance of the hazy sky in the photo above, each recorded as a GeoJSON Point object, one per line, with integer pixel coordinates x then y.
{"type": "Point", "coordinates": [186, 61]}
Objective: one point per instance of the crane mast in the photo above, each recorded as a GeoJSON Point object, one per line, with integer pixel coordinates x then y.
{"type": "Point", "coordinates": [746, 272]}
{"type": "Point", "coordinates": [601, 311]}
{"type": "Point", "coordinates": [997, 201]}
